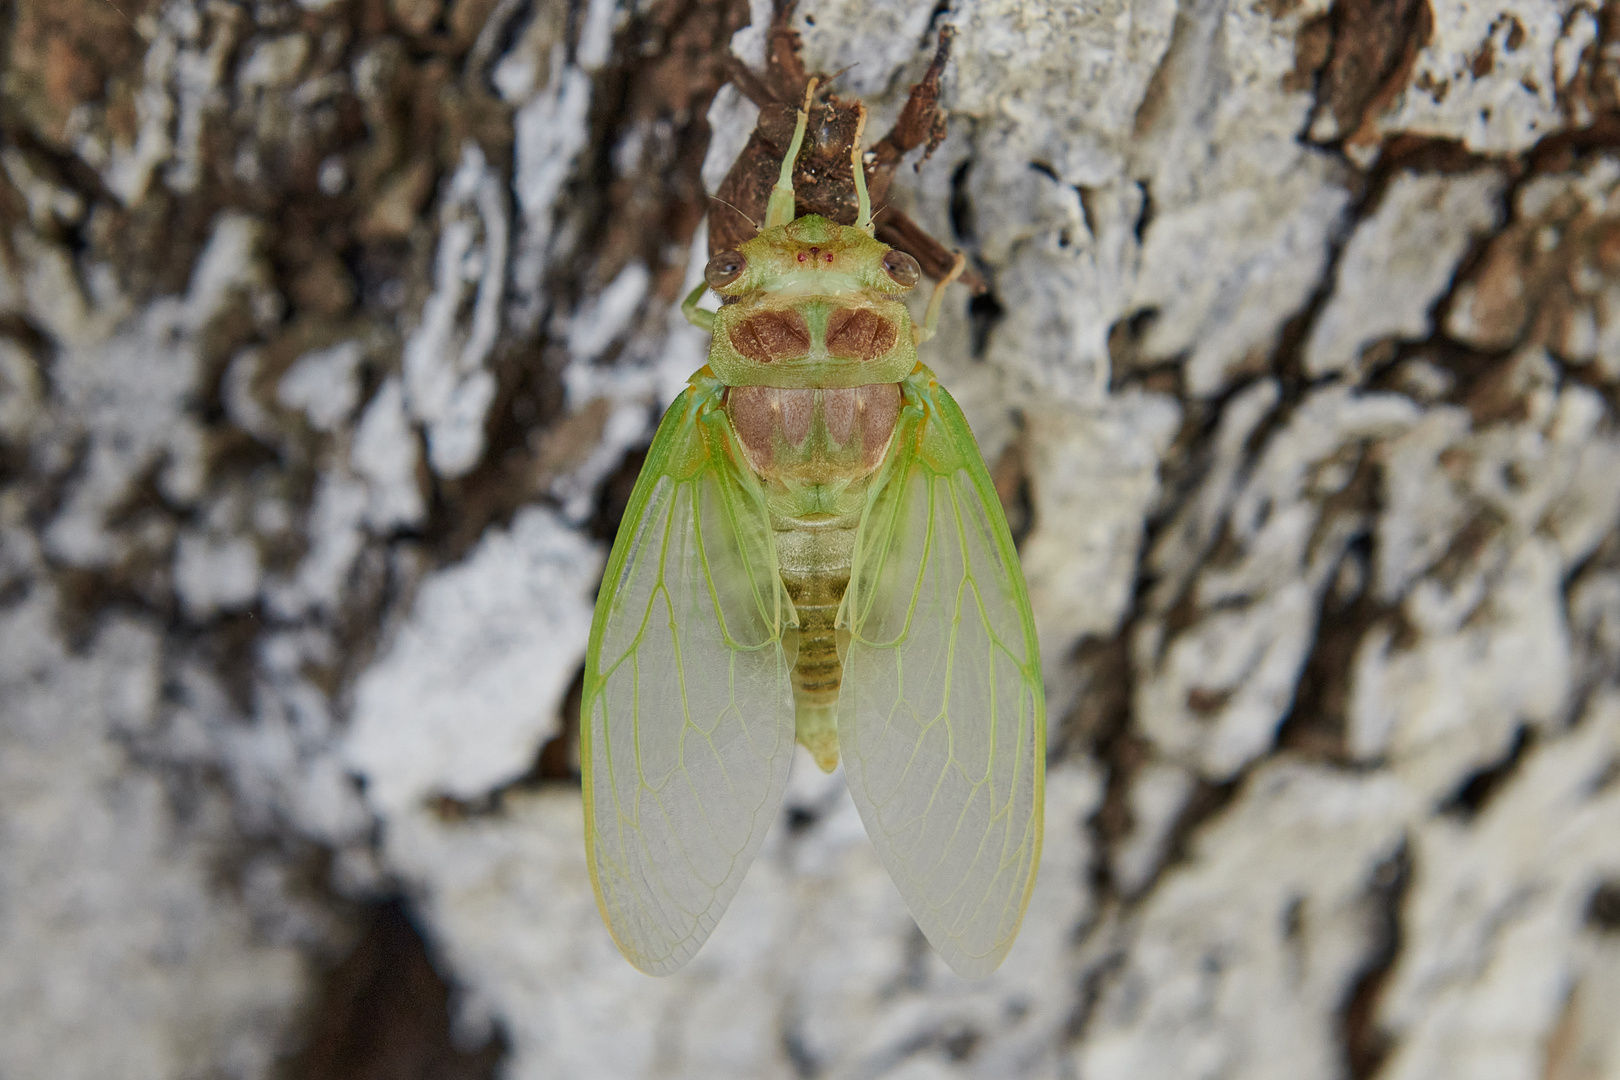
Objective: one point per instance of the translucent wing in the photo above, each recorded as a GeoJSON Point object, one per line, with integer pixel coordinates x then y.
{"type": "Point", "coordinates": [941, 717]}
{"type": "Point", "coordinates": [687, 715]}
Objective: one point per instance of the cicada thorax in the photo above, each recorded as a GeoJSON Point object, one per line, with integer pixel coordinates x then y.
{"type": "Point", "coordinates": [813, 342]}
{"type": "Point", "coordinates": [816, 310]}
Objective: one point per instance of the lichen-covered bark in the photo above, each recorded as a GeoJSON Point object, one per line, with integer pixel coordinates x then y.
{"type": "Point", "coordinates": [331, 335]}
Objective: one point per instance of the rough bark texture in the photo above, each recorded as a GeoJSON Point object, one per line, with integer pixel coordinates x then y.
{"type": "Point", "coordinates": [331, 332]}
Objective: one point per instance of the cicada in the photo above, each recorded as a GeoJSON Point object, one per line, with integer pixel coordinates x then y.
{"type": "Point", "coordinates": [813, 552]}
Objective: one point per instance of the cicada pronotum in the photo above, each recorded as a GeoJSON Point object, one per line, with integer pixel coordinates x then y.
{"type": "Point", "coordinates": [814, 551]}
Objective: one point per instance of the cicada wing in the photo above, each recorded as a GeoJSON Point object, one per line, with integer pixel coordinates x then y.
{"type": "Point", "coordinates": [941, 716]}
{"type": "Point", "coordinates": [687, 714]}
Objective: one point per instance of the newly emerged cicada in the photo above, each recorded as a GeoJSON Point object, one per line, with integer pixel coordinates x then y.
{"type": "Point", "coordinates": [814, 551]}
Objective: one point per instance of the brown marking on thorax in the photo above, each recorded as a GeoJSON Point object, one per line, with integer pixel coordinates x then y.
{"type": "Point", "coordinates": [859, 334]}
{"type": "Point", "coordinates": [772, 335]}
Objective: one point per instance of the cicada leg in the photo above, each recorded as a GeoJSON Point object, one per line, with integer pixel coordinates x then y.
{"type": "Point", "coordinates": [703, 320]}
{"type": "Point", "coordinates": [922, 333]}
{"type": "Point", "coordinates": [779, 211]}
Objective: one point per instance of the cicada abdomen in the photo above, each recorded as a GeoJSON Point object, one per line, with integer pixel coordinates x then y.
{"type": "Point", "coordinates": [816, 452]}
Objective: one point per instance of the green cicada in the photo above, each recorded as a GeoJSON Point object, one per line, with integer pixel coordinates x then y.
{"type": "Point", "coordinates": [813, 552]}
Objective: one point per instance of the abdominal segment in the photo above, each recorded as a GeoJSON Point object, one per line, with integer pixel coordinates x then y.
{"type": "Point", "coordinates": [815, 451]}
{"type": "Point", "coordinates": [803, 438]}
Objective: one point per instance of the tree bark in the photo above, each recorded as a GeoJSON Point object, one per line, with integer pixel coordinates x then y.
{"type": "Point", "coordinates": [332, 333]}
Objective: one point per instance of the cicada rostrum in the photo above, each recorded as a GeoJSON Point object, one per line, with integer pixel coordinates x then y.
{"type": "Point", "coordinates": [814, 551]}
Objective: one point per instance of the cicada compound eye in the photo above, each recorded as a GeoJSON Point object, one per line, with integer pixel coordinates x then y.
{"type": "Point", "coordinates": [902, 269]}
{"type": "Point", "coordinates": [724, 268]}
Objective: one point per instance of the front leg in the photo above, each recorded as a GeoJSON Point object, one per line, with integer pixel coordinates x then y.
{"type": "Point", "coordinates": [703, 320]}
{"type": "Point", "coordinates": [922, 333]}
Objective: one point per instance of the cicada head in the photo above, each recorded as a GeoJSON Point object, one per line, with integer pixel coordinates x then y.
{"type": "Point", "coordinates": [812, 255]}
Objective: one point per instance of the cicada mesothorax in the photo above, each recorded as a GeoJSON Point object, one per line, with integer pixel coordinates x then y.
{"type": "Point", "coordinates": [814, 552]}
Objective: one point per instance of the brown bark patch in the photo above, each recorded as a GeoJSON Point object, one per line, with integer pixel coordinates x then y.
{"type": "Point", "coordinates": [1375, 44]}
{"type": "Point", "coordinates": [668, 59]}
{"type": "Point", "coordinates": [860, 334]}
{"type": "Point", "coordinates": [62, 53]}
{"type": "Point", "coordinates": [1476, 792]}
{"type": "Point", "coordinates": [385, 1013]}
{"type": "Point", "coordinates": [1366, 1044]}
{"type": "Point", "coordinates": [1603, 909]}
{"type": "Point", "coordinates": [1312, 47]}
{"type": "Point", "coordinates": [1594, 91]}
{"type": "Point", "coordinates": [656, 97]}
{"type": "Point", "coordinates": [771, 336]}
{"type": "Point", "coordinates": [415, 17]}
{"type": "Point", "coordinates": [1542, 281]}
{"type": "Point", "coordinates": [1206, 702]}
{"type": "Point", "coordinates": [1010, 475]}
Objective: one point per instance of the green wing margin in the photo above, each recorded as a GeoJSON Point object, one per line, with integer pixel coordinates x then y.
{"type": "Point", "coordinates": [942, 716]}
{"type": "Point", "coordinates": [686, 725]}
